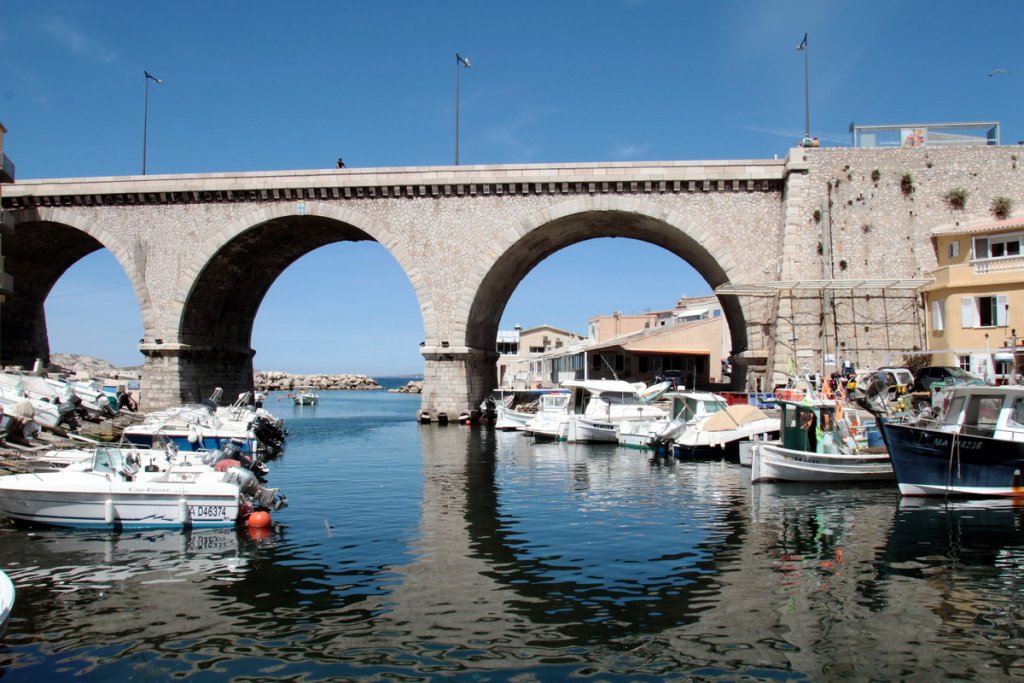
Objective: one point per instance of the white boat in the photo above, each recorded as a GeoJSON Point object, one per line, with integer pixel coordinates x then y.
{"type": "Point", "coordinates": [305, 396]}
{"type": "Point", "coordinates": [723, 425]}
{"type": "Point", "coordinates": [205, 426]}
{"type": "Point", "coordinates": [551, 421]}
{"type": "Point", "coordinates": [131, 488]}
{"type": "Point", "coordinates": [6, 600]}
{"type": "Point", "coordinates": [699, 420]}
{"type": "Point", "coordinates": [596, 408]}
{"type": "Point", "coordinates": [94, 400]}
{"type": "Point", "coordinates": [818, 444]}
{"type": "Point", "coordinates": [508, 418]}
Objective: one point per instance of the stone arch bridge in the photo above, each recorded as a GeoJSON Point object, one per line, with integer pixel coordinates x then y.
{"type": "Point", "coordinates": [201, 251]}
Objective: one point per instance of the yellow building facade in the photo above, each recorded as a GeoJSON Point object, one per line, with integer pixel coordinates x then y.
{"type": "Point", "coordinates": [975, 306]}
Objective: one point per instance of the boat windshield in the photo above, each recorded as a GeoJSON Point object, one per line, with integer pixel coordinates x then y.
{"type": "Point", "coordinates": [981, 414]}
{"type": "Point", "coordinates": [107, 460]}
{"type": "Point", "coordinates": [952, 414]}
{"type": "Point", "coordinates": [691, 406]}
{"type": "Point", "coordinates": [1017, 412]}
{"type": "Point", "coordinates": [620, 398]}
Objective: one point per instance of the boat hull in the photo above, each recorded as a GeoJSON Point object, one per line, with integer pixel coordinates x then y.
{"type": "Point", "coordinates": [771, 462]}
{"type": "Point", "coordinates": [101, 502]}
{"type": "Point", "coordinates": [6, 601]}
{"type": "Point", "coordinates": [929, 462]}
{"type": "Point", "coordinates": [185, 441]}
{"type": "Point", "coordinates": [582, 430]}
{"type": "Point", "coordinates": [511, 420]}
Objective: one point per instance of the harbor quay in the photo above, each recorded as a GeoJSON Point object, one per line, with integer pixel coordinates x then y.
{"type": "Point", "coordinates": [826, 245]}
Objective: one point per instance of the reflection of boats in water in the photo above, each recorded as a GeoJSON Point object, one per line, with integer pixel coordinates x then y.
{"type": "Point", "coordinates": [82, 559]}
{"type": "Point", "coordinates": [930, 532]}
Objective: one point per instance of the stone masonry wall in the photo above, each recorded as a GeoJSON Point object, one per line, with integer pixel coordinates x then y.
{"type": "Point", "coordinates": [878, 229]}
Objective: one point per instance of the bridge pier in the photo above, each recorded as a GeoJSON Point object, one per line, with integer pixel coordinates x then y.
{"type": "Point", "coordinates": [183, 373]}
{"type": "Point", "coordinates": [456, 380]}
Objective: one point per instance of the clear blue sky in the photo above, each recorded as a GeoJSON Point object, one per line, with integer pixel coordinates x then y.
{"type": "Point", "coordinates": [263, 86]}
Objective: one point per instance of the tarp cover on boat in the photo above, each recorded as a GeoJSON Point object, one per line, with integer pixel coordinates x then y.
{"type": "Point", "coordinates": [732, 417]}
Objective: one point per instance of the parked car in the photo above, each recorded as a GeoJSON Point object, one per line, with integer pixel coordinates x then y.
{"type": "Point", "coordinates": [903, 377]}
{"type": "Point", "coordinates": [674, 376]}
{"type": "Point", "coordinates": [927, 376]}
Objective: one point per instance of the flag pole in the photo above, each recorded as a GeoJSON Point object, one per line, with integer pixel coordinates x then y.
{"type": "Point", "coordinates": [145, 116]}
{"type": "Point", "coordinates": [807, 88]}
{"type": "Point", "coordinates": [460, 62]}
{"type": "Point", "coordinates": [145, 122]}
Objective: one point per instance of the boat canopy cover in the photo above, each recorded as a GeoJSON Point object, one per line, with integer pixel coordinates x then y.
{"type": "Point", "coordinates": [732, 417]}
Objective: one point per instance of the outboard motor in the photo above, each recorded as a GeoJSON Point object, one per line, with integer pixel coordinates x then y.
{"type": "Point", "coordinates": [251, 487]}
{"type": "Point", "coordinates": [267, 433]}
{"type": "Point", "coordinates": [233, 450]}
{"type": "Point", "coordinates": [68, 414]}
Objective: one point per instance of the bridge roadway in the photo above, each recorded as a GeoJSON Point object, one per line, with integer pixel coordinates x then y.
{"type": "Point", "coordinates": [202, 250]}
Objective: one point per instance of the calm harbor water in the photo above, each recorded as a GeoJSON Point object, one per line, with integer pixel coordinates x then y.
{"type": "Point", "coordinates": [415, 552]}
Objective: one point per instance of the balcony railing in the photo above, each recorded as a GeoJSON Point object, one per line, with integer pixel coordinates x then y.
{"type": "Point", "coordinates": [998, 265]}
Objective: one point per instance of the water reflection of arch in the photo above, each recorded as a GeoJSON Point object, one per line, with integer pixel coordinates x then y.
{"type": "Point", "coordinates": [591, 613]}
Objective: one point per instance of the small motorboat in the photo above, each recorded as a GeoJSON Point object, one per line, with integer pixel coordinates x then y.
{"type": "Point", "coordinates": [597, 408]}
{"type": "Point", "coordinates": [209, 426]}
{"type": "Point", "coordinates": [711, 423]}
{"type": "Point", "coordinates": [133, 488]}
{"type": "Point", "coordinates": [818, 444]}
{"type": "Point", "coordinates": [306, 396]}
{"type": "Point", "coordinates": [6, 601]}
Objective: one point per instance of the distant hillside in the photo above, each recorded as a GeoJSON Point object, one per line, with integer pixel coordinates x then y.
{"type": "Point", "coordinates": [73, 363]}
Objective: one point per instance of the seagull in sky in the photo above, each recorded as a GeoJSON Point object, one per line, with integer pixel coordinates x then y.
{"type": "Point", "coordinates": [996, 72]}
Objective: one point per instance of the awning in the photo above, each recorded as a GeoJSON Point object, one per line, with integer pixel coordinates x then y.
{"type": "Point", "coordinates": [775, 286]}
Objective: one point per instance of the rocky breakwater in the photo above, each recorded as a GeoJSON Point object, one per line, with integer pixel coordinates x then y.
{"type": "Point", "coordinates": [414, 387]}
{"type": "Point", "coordinates": [283, 381]}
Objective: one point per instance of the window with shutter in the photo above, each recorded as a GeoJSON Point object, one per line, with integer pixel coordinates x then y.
{"type": "Point", "coordinates": [937, 307]}
{"type": "Point", "coordinates": [967, 312]}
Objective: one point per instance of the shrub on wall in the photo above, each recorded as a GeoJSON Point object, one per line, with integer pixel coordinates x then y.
{"type": "Point", "coordinates": [907, 184]}
{"type": "Point", "coordinates": [1001, 207]}
{"type": "Point", "coordinates": [956, 198]}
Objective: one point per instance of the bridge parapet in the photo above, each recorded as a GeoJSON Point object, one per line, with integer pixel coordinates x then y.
{"type": "Point", "coordinates": [539, 179]}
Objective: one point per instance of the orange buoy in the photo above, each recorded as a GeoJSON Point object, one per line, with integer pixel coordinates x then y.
{"type": "Point", "coordinates": [259, 519]}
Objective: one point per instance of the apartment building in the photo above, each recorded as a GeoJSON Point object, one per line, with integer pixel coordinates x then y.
{"type": "Point", "coordinates": [975, 306]}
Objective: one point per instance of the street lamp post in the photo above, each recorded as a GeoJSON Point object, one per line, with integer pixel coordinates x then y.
{"type": "Point", "coordinates": [460, 63]}
{"type": "Point", "coordinates": [145, 117]}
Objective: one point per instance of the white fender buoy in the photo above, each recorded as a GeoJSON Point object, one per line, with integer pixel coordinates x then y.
{"type": "Point", "coordinates": [183, 511]}
{"type": "Point", "coordinates": [108, 511]}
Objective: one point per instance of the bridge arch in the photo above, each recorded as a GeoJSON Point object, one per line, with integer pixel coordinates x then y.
{"type": "Point", "coordinates": [221, 292]}
{"type": "Point", "coordinates": [578, 220]}
{"type": "Point", "coordinates": [47, 242]}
